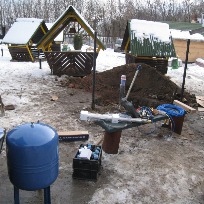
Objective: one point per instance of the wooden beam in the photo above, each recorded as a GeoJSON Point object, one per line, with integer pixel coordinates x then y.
{"type": "Point", "coordinates": [200, 109]}
{"type": "Point", "coordinates": [184, 106]}
{"type": "Point", "coordinates": [30, 53]}
{"type": "Point", "coordinates": [43, 30]}
{"type": "Point", "coordinates": [126, 46]}
{"type": "Point", "coordinates": [200, 100]}
{"type": "Point", "coordinates": [73, 135]}
{"type": "Point", "coordinates": [51, 34]}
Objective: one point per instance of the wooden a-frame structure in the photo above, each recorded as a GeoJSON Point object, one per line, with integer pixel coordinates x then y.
{"type": "Point", "coordinates": [71, 63]}
{"type": "Point", "coordinates": [69, 16]}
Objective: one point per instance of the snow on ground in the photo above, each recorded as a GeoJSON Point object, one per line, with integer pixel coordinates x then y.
{"type": "Point", "coordinates": [194, 78]}
{"type": "Point", "coordinates": [20, 82]}
{"type": "Point", "coordinates": [12, 83]}
{"type": "Point", "coordinates": [108, 59]}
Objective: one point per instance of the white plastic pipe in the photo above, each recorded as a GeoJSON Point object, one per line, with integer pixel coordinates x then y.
{"type": "Point", "coordinates": [114, 118]}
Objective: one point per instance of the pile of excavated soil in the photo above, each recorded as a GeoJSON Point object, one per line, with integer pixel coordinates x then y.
{"type": "Point", "coordinates": [150, 87]}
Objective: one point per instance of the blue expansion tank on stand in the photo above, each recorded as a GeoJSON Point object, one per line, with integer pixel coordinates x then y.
{"type": "Point", "coordinates": [32, 158]}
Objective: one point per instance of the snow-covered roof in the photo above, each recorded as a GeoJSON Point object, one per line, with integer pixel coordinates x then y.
{"type": "Point", "coordinates": [60, 37]}
{"type": "Point", "coordinates": [185, 35]}
{"type": "Point", "coordinates": [22, 30]}
{"type": "Point", "coordinates": [143, 29]}
{"type": "Point", "coordinates": [79, 15]}
{"type": "Point", "coordinates": [70, 15]}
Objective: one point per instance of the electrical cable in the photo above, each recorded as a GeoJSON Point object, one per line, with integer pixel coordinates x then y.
{"type": "Point", "coordinates": [146, 112]}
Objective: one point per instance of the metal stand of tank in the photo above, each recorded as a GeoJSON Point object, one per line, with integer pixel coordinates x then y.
{"type": "Point", "coordinates": [47, 197]}
{"type": "Point", "coordinates": [16, 195]}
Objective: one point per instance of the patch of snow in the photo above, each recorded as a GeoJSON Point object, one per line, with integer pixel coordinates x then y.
{"type": "Point", "coordinates": [184, 35]}
{"type": "Point", "coordinates": [21, 31]}
{"type": "Point", "coordinates": [143, 29]}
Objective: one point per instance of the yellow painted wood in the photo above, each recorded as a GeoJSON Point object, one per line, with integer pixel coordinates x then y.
{"type": "Point", "coordinates": [43, 30]}
{"type": "Point", "coordinates": [99, 48]}
{"type": "Point", "coordinates": [31, 56]}
{"type": "Point", "coordinates": [45, 42]}
{"type": "Point", "coordinates": [88, 31]}
{"type": "Point", "coordinates": [19, 46]}
{"type": "Point", "coordinates": [49, 47]}
{"type": "Point", "coordinates": [127, 44]}
{"type": "Point", "coordinates": [30, 42]}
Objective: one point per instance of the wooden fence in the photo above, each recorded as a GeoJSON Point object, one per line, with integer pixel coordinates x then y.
{"type": "Point", "coordinates": [70, 63]}
{"type": "Point", "coordinates": [159, 63]}
{"type": "Point", "coordinates": [20, 53]}
{"type": "Point", "coordinates": [195, 51]}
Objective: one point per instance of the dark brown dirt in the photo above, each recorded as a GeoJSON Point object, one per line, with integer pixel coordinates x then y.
{"type": "Point", "coordinates": [150, 87]}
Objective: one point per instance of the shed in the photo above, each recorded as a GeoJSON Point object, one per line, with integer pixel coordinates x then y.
{"type": "Point", "coordinates": [22, 37]}
{"type": "Point", "coordinates": [148, 42]}
{"type": "Point", "coordinates": [181, 32]}
{"type": "Point", "coordinates": [196, 46]}
{"type": "Point", "coordinates": [72, 63]}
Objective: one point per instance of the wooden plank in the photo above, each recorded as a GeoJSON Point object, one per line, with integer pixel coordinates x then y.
{"type": "Point", "coordinates": [184, 106]}
{"type": "Point", "coordinates": [200, 100]}
{"type": "Point", "coordinates": [70, 63]}
{"type": "Point", "coordinates": [73, 136]}
{"type": "Point", "coordinates": [20, 53]}
{"type": "Point", "coordinates": [72, 133]}
{"type": "Point", "coordinates": [159, 63]}
{"type": "Point", "coordinates": [200, 109]}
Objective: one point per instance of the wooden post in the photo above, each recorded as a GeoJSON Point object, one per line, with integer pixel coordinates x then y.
{"type": "Point", "coordinates": [94, 73]}
{"type": "Point", "coordinates": [111, 142]}
{"type": "Point", "coordinates": [185, 68]}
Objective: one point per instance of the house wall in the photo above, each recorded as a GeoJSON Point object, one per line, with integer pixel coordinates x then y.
{"type": "Point", "coordinates": [196, 49]}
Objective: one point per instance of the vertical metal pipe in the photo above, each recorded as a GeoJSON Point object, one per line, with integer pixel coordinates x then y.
{"type": "Point", "coordinates": [16, 195]}
{"type": "Point", "coordinates": [40, 61]}
{"type": "Point", "coordinates": [47, 199]}
{"type": "Point", "coordinates": [94, 73]}
{"type": "Point", "coordinates": [185, 68]}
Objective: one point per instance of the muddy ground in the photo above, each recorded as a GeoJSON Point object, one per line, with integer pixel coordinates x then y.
{"type": "Point", "coordinates": [149, 168]}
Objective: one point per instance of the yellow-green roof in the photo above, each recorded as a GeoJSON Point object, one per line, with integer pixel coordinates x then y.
{"type": "Point", "coordinates": [70, 15]}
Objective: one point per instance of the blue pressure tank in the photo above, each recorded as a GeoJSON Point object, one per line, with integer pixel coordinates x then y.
{"type": "Point", "coordinates": [32, 156]}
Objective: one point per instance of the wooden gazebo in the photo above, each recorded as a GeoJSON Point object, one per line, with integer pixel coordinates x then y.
{"type": "Point", "coordinates": [22, 38]}
{"type": "Point", "coordinates": [72, 63]}
{"type": "Point", "coordinates": [148, 42]}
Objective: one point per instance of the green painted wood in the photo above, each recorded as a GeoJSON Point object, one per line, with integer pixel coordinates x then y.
{"type": "Point", "coordinates": [151, 47]}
